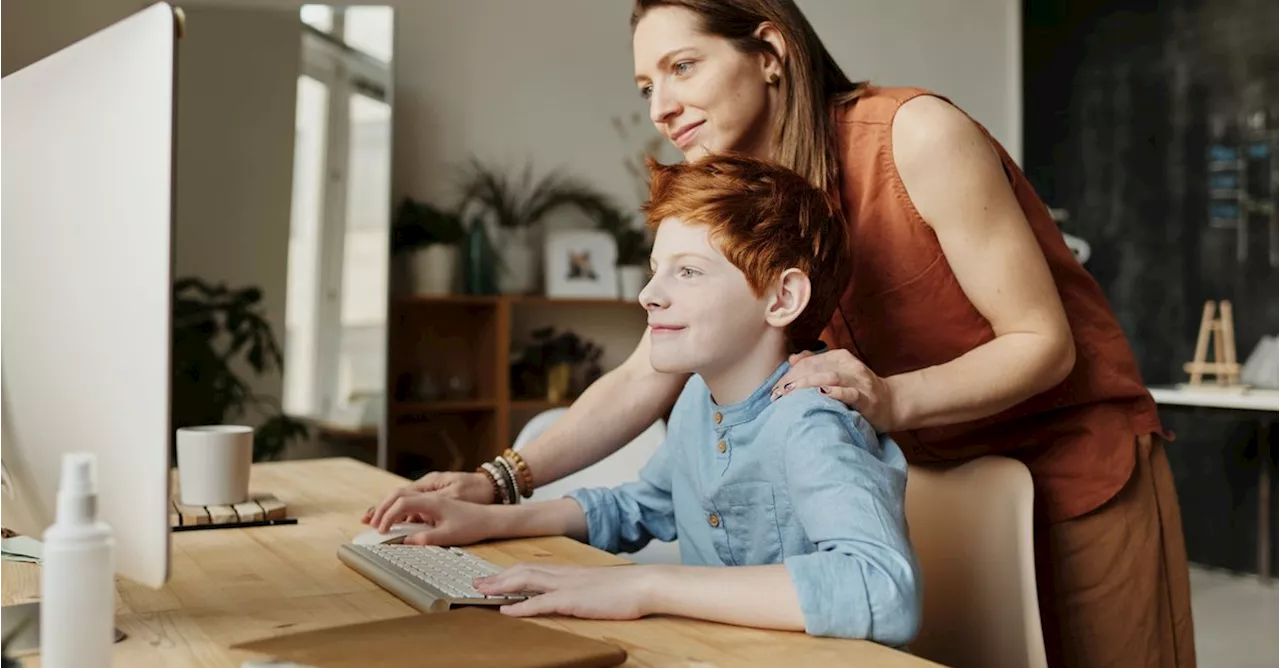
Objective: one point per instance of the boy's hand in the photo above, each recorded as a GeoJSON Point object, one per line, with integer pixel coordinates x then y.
{"type": "Point", "coordinates": [448, 521]}
{"type": "Point", "coordinates": [590, 592]}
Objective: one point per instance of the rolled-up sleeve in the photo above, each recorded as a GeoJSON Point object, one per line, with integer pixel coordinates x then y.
{"type": "Point", "coordinates": [848, 486]}
{"type": "Point", "coordinates": [625, 518]}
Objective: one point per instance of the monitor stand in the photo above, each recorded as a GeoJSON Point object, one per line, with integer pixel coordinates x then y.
{"type": "Point", "coordinates": [21, 634]}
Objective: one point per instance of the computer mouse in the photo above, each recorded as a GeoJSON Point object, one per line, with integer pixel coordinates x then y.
{"type": "Point", "coordinates": [395, 535]}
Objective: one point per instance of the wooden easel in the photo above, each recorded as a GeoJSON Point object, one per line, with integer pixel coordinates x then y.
{"type": "Point", "coordinates": [1224, 367]}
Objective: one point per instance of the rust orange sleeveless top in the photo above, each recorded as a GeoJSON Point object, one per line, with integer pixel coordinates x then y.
{"type": "Point", "coordinates": [904, 310]}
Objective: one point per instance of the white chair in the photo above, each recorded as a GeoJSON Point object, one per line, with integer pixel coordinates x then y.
{"type": "Point", "coordinates": [619, 467]}
{"type": "Point", "coordinates": [971, 527]}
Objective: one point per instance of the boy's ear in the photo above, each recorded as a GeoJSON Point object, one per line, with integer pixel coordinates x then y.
{"type": "Point", "coordinates": [790, 297]}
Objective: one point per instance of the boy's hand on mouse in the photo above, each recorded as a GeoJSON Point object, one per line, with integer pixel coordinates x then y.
{"type": "Point", "coordinates": [590, 592]}
{"type": "Point", "coordinates": [448, 521]}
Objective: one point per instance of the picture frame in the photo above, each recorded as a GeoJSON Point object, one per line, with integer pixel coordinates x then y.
{"type": "Point", "coordinates": [581, 264]}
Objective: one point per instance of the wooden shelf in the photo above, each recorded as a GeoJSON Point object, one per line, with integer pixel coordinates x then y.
{"type": "Point", "coordinates": [462, 300]}
{"type": "Point", "coordinates": [533, 300]}
{"type": "Point", "coordinates": [538, 404]}
{"type": "Point", "coordinates": [334, 430]}
{"type": "Point", "coordinates": [447, 406]}
{"type": "Point", "coordinates": [520, 300]}
{"type": "Point", "coordinates": [470, 337]}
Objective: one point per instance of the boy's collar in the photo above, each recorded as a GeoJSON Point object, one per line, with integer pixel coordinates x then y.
{"type": "Point", "coordinates": [747, 409]}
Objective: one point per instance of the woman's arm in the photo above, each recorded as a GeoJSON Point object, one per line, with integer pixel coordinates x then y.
{"type": "Point", "coordinates": [958, 185]}
{"type": "Point", "coordinates": [956, 181]}
{"type": "Point", "coordinates": [610, 413]}
{"type": "Point", "coordinates": [847, 487]}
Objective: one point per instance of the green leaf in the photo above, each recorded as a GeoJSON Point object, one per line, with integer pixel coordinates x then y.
{"type": "Point", "coordinates": [204, 388]}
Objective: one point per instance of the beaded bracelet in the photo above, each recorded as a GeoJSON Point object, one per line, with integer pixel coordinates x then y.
{"type": "Point", "coordinates": [508, 470]}
{"type": "Point", "coordinates": [525, 475]}
{"type": "Point", "coordinates": [495, 479]}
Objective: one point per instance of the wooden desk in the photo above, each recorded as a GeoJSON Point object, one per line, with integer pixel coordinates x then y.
{"type": "Point", "coordinates": [1261, 403]}
{"type": "Point", "coordinates": [233, 585]}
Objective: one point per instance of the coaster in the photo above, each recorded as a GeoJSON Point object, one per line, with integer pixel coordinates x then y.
{"type": "Point", "coordinates": [258, 508]}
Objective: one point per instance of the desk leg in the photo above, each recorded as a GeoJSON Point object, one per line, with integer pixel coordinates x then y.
{"type": "Point", "coordinates": [1264, 500]}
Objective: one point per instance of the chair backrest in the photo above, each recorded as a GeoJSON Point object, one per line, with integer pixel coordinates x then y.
{"type": "Point", "coordinates": [971, 526]}
{"type": "Point", "coordinates": [622, 466]}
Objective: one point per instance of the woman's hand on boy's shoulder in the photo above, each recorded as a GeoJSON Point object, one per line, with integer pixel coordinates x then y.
{"type": "Point", "coordinates": [840, 375]}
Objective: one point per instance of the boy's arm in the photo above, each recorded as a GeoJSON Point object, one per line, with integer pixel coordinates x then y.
{"type": "Point", "coordinates": [560, 517]}
{"type": "Point", "coordinates": [625, 518]}
{"type": "Point", "coordinates": [622, 518]}
{"type": "Point", "coordinates": [861, 582]}
{"type": "Point", "coordinates": [848, 491]}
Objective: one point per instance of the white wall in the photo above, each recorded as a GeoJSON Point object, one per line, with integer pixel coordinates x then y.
{"type": "Point", "coordinates": [510, 80]}
{"type": "Point", "coordinates": [33, 29]}
{"type": "Point", "coordinates": [237, 73]}
{"type": "Point", "coordinates": [507, 80]}
{"type": "Point", "coordinates": [516, 79]}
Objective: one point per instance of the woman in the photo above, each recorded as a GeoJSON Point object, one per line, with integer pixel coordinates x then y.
{"type": "Point", "coordinates": [968, 327]}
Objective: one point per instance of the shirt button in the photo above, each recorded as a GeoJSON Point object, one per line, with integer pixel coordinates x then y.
{"type": "Point", "coordinates": [721, 447]}
{"type": "Point", "coordinates": [714, 520]}
{"type": "Point", "coordinates": [717, 417]}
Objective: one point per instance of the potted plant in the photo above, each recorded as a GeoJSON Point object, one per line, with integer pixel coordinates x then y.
{"type": "Point", "coordinates": [425, 240]}
{"type": "Point", "coordinates": [634, 244]}
{"type": "Point", "coordinates": [634, 247]}
{"type": "Point", "coordinates": [555, 366]}
{"type": "Point", "coordinates": [217, 330]}
{"type": "Point", "coordinates": [517, 207]}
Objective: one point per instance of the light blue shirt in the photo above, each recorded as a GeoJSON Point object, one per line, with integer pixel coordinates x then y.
{"type": "Point", "coordinates": [803, 481]}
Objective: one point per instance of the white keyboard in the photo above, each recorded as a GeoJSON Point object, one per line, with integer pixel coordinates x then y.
{"type": "Point", "coordinates": [430, 578]}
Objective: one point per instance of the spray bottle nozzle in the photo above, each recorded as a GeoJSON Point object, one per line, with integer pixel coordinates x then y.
{"type": "Point", "coordinates": [78, 473]}
{"type": "Point", "coordinates": [78, 489]}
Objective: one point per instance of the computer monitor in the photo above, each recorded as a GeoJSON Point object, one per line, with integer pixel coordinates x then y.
{"type": "Point", "coordinates": [87, 280]}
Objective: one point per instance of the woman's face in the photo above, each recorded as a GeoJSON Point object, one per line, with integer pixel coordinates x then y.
{"type": "Point", "coordinates": [704, 95]}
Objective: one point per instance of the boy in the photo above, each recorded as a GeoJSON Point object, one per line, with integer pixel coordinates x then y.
{"type": "Point", "coordinates": [799, 496]}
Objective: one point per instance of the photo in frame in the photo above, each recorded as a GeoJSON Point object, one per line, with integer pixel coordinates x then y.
{"type": "Point", "coordinates": [581, 263]}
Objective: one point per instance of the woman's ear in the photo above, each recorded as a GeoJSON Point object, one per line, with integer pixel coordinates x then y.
{"type": "Point", "coordinates": [773, 67]}
{"type": "Point", "coordinates": [790, 297]}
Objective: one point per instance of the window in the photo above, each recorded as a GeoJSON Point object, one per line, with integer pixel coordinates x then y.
{"type": "Point", "coordinates": [319, 17]}
{"type": "Point", "coordinates": [368, 29]}
{"type": "Point", "coordinates": [339, 235]}
{"type": "Point", "coordinates": [305, 226]}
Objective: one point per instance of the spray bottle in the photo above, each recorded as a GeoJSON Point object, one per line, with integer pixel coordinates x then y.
{"type": "Point", "coordinates": [78, 594]}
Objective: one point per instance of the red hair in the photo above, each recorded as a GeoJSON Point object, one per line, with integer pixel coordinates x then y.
{"type": "Point", "coordinates": [767, 219]}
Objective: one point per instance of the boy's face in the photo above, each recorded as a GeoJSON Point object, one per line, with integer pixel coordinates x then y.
{"type": "Point", "coordinates": [703, 315]}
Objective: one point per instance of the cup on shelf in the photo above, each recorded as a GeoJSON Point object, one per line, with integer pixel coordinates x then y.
{"type": "Point", "coordinates": [213, 464]}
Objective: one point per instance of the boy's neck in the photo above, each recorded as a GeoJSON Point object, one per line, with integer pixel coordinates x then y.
{"type": "Point", "coordinates": [737, 380]}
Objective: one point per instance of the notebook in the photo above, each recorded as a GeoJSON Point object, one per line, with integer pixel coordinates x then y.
{"type": "Point", "coordinates": [468, 636]}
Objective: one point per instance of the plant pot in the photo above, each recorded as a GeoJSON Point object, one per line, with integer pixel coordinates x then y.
{"type": "Point", "coordinates": [519, 262]}
{"type": "Point", "coordinates": [435, 269]}
{"type": "Point", "coordinates": [559, 377]}
{"type": "Point", "coordinates": [631, 280]}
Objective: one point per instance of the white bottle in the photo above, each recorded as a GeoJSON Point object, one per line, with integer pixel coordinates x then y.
{"type": "Point", "coordinates": [78, 593]}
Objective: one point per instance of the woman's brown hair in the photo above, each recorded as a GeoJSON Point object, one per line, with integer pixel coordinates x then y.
{"type": "Point", "coordinates": [812, 83]}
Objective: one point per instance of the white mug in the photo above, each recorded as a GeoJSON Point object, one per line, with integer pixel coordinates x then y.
{"type": "Point", "coordinates": [213, 465]}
